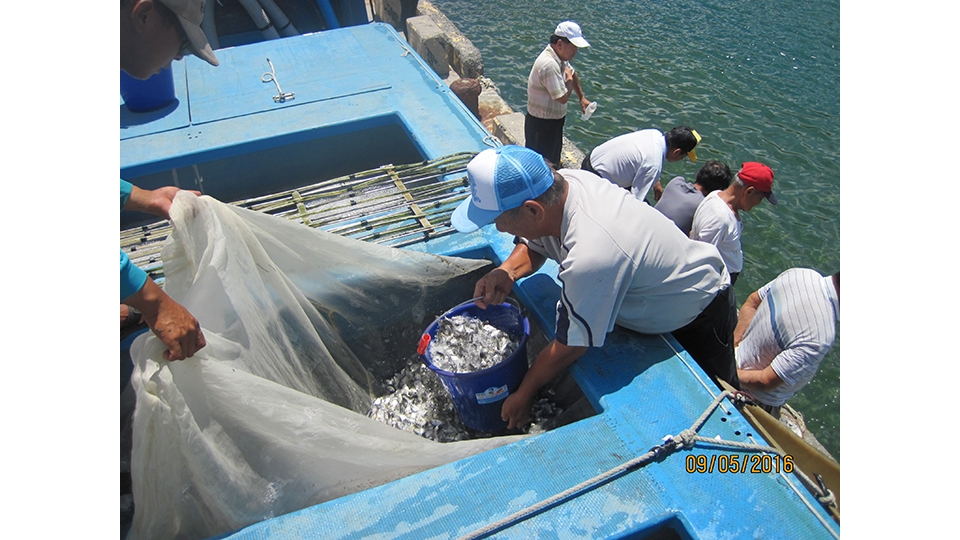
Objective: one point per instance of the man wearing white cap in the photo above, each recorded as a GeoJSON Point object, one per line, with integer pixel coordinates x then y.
{"type": "Point", "coordinates": [549, 86]}
{"type": "Point", "coordinates": [153, 33]}
{"type": "Point", "coordinates": [621, 262]}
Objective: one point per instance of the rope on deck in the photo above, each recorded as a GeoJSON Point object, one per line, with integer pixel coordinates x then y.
{"type": "Point", "coordinates": [671, 443]}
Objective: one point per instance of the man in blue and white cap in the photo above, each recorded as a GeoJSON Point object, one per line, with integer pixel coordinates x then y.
{"type": "Point", "coordinates": [621, 262]}
{"type": "Point", "coordinates": [552, 79]}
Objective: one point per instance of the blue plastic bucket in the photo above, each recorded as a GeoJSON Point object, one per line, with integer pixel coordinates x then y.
{"type": "Point", "coordinates": [478, 396]}
{"type": "Point", "coordinates": [151, 94]}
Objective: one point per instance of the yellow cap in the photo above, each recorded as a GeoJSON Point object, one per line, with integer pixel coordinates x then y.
{"type": "Point", "coordinates": [692, 154]}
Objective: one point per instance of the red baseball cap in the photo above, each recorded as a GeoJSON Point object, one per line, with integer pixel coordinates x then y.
{"type": "Point", "coordinates": [758, 175]}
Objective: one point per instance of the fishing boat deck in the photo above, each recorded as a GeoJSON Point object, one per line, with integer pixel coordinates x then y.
{"type": "Point", "coordinates": [363, 98]}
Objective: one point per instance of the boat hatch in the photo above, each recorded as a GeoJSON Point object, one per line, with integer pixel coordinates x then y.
{"type": "Point", "coordinates": [284, 162]}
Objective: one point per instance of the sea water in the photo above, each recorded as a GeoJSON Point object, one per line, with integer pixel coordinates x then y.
{"type": "Point", "coordinates": [759, 80]}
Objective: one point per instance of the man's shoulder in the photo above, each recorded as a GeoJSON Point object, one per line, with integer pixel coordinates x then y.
{"type": "Point", "coordinates": [546, 57]}
{"type": "Point", "coordinates": [680, 186]}
{"type": "Point", "coordinates": [713, 205]}
{"type": "Point", "coordinates": [795, 277]}
{"type": "Point", "coordinates": [645, 136]}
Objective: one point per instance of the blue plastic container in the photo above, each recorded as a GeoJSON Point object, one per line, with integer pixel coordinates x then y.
{"type": "Point", "coordinates": [478, 396]}
{"type": "Point", "coordinates": [149, 95]}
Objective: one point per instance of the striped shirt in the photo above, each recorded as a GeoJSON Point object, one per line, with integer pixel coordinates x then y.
{"type": "Point", "coordinates": [792, 330]}
{"type": "Point", "coordinates": [546, 85]}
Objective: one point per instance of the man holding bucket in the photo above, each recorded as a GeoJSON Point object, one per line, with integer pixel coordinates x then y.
{"type": "Point", "coordinates": [621, 262]}
{"type": "Point", "coordinates": [153, 33]}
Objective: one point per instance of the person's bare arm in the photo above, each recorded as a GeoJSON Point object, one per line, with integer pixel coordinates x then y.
{"type": "Point", "coordinates": [496, 285]}
{"type": "Point", "coordinates": [549, 363]}
{"type": "Point", "coordinates": [747, 311]}
{"type": "Point", "coordinates": [155, 201]}
{"type": "Point", "coordinates": [172, 323]}
{"type": "Point", "coordinates": [763, 379]}
{"type": "Point", "coordinates": [575, 84]}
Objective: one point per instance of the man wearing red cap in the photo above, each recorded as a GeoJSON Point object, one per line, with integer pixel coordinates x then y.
{"type": "Point", "coordinates": [717, 219]}
{"type": "Point", "coordinates": [549, 86]}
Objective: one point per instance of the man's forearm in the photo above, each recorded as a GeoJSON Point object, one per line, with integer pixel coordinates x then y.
{"type": "Point", "coordinates": [549, 363]}
{"type": "Point", "coordinates": [763, 379]}
{"type": "Point", "coordinates": [745, 316]}
{"type": "Point", "coordinates": [576, 86]}
{"type": "Point", "coordinates": [522, 262]}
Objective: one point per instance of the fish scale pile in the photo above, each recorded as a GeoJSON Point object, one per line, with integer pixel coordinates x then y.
{"type": "Point", "coordinates": [467, 344]}
{"type": "Point", "coordinates": [416, 400]}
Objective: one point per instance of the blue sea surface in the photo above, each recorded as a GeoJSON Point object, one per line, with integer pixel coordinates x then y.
{"type": "Point", "coordinates": [759, 80]}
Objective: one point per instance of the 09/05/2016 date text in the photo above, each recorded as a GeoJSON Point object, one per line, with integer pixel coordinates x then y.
{"type": "Point", "coordinates": [735, 463]}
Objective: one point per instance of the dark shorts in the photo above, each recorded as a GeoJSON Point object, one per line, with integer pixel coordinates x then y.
{"type": "Point", "coordinates": [709, 338]}
{"type": "Point", "coordinates": [544, 137]}
{"type": "Point", "coordinates": [587, 166]}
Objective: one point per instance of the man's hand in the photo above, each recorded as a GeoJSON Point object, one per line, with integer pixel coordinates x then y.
{"type": "Point", "coordinates": [516, 409]}
{"type": "Point", "coordinates": [657, 190]}
{"type": "Point", "coordinates": [493, 287]}
{"type": "Point", "coordinates": [156, 202]}
{"type": "Point", "coordinates": [171, 322]}
{"type": "Point", "coordinates": [552, 360]}
{"type": "Point", "coordinates": [584, 103]}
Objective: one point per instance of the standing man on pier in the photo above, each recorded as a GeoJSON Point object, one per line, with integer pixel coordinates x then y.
{"type": "Point", "coordinates": [549, 86]}
{"type": "Point", "coordinates": [153, 33]}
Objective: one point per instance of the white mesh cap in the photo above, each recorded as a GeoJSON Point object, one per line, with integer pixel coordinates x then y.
{"type": "Point", "coordinates": [501, 179]}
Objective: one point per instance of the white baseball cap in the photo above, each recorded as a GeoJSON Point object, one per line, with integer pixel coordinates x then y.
{"type": "Point", "coordinates": [190, 13]}
{"type": "Point", "coordinates": [501, 179]}
{"type": "Point", "coordinates": [571, 31]}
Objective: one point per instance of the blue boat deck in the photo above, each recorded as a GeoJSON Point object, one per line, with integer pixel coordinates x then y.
{"type": "Point", "coordinates": [363, 99]}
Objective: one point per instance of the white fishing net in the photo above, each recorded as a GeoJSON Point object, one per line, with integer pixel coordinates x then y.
{"type": "Point", "coordinates": [270, 416]}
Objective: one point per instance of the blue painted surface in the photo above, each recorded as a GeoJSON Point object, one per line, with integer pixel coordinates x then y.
{"type": "Point", "coordinates": [358, 79]}
{"type": "Point", "coordinates": [361, 94]}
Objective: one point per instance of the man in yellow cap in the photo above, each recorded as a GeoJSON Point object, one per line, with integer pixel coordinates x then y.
{"type": "Point", "coordinates": [634, 161]}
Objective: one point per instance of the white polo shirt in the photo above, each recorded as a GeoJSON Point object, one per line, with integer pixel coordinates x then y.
{"type": "Point", "coordinates": [792, 330]}
{"type": "Point", "coordinates": [623, 262]}
{"type": "Point", "coordinates": [632, 161]}
{"type": "Point", "coordinates": [545, 86]}
{"type": "Point", "coordinates": [714, 222]}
